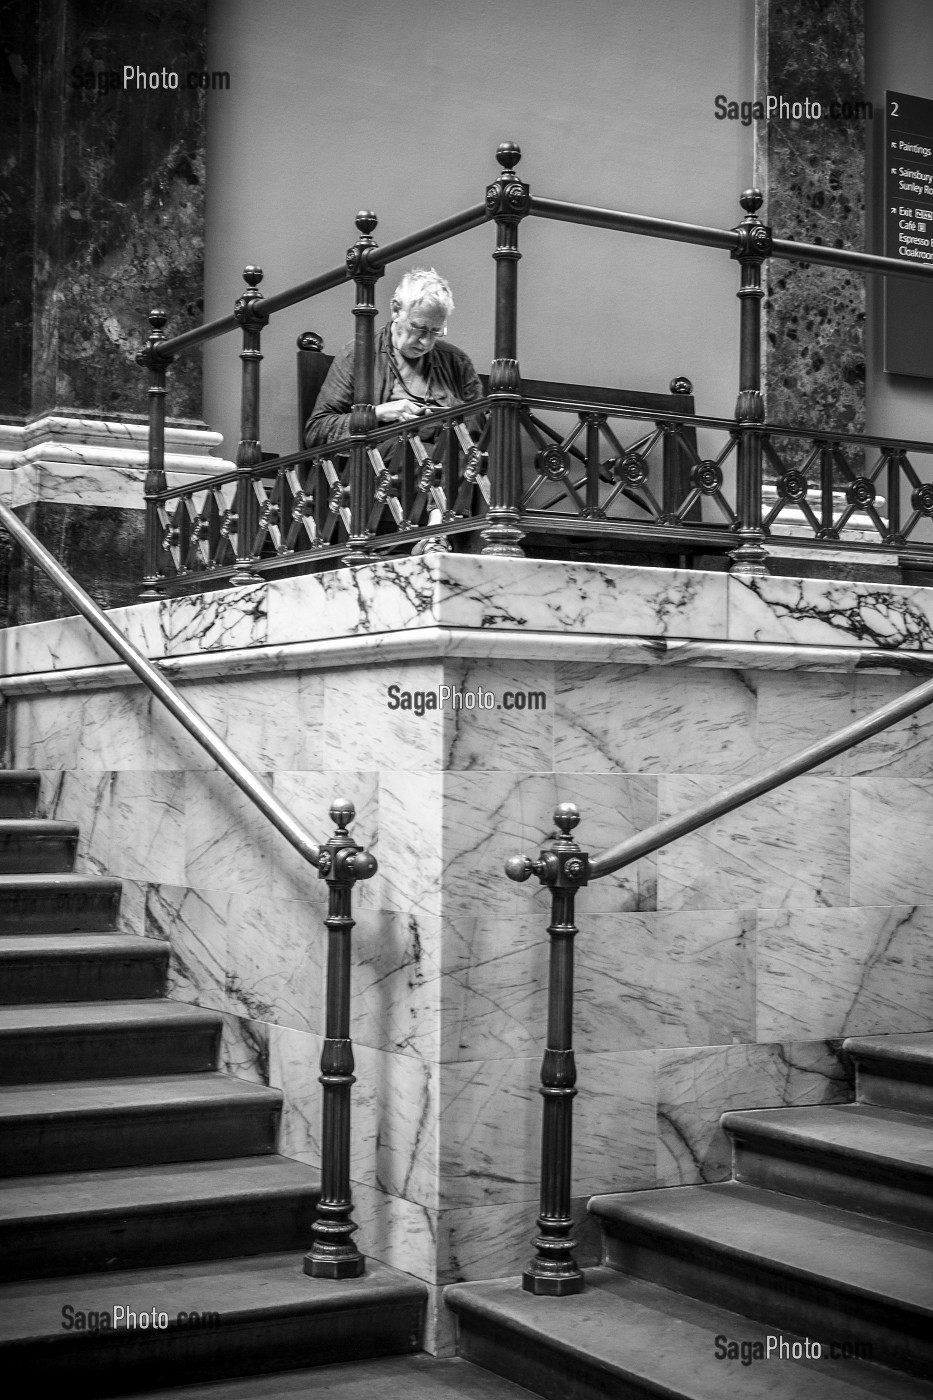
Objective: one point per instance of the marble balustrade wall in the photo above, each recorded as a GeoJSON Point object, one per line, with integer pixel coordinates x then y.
{"type": "Point", "coordinates": [722, 972]}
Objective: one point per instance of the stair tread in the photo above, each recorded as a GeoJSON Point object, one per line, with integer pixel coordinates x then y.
{"type": "Point", "coordinates": [915, 1047]}
{"type": "Point", "coordinates": [870, 1257]}
{"type": "Point", "coordinates": [36, 826]}
{"type": "Point", "coordinates": [623, 1328]}
{"type": "Point", "coordinates": [868, 1134]}
{"type": "Point", "coordinates": [140, 1093]}
{"type": "Point", "coordinates": [258, 1285]}
{"type": "Point", "coordinates": [116, 1015]}
{"type": "Point", "coordinates": [16, 947]}
{"type": "Point", "coordinates": [122, 1190]}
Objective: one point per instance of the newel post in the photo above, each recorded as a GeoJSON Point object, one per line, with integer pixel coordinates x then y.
{"type": "Point", "coordinates": [754, 246]}
{"type": "Point", "coordinates": [564, 868]}
{"type": "Point", "coordinates": [333, 1253]}
{"type": "Point", "coordinates": [507, 199]}
{"type": "Point", "coordinates": [252, 318]}
{"type": "Point", "coordinates": [363, 412]}
{"type": "Point", "coordinates": [157, 365]}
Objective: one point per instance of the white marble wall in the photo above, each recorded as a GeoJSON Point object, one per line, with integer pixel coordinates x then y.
{"type": "Point", "coordinates": [722, 972]}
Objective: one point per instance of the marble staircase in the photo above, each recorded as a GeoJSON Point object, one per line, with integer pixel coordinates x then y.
{"type": "Point", "coordinates": [823, 1235]}
{"type": "Point", "coordinates": [133, 1173]}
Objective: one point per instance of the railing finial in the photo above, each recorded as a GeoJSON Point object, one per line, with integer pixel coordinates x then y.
{"type": "Point", "coordinates": [566, 816]}
{"type": "Point", "coordinates": [508, 154]}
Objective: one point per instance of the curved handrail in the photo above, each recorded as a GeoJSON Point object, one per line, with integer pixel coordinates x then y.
{"type": "Point", "coordinates": [255, 789]}
{"type": "Point", "coordinates": [671, 829]}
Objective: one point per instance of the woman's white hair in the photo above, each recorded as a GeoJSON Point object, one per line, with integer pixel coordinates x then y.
{"type": "Point", "coordinates": [424, 284]}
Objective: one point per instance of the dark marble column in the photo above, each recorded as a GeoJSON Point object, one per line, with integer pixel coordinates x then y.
{"type": "Point", "coordinates": [812, 174]}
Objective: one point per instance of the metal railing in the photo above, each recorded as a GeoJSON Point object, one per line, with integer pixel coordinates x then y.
{"type": "Point", "coordinates": [564, 867]}
{"type": "Point", "coordinates": [339, 861]}
{"type": "Point", "coordinates": [313, 509]}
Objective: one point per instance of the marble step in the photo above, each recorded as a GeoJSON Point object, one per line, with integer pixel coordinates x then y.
{"type": "Point", "coordinates": [875, 1160]}
{"type": "Point", "coordinates": [58, 903]}
{"type": "Point", "coordinates": [91, 1040]}
{"type": "Point", "coordinates": [88, 1124]}
{"type": "Point", "coordinates": [80, 967]}
{"type": "Point", "coordinates": [263, 1314]}
{"type": "Point", "coordinates": [35, 846]}
{"type": "Point", "coordinates": [131, 1217]}
{"type": "Point", "coordinates": [418, 1377]}
{"type": "Point", "coordinates": [19, 792]}
{"type": "Point", "coordinates": [895, 1071]}
{"type": "Point", "coordinates": [631, 1340]}
{"type": "Point", "coordinates": [810, 1268]}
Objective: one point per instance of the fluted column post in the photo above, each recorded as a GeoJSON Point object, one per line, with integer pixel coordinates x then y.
{"type": "Point", "coordinates": [564, 867]}
{"type": "Point", "coordinates": [749, 560]}
{"type": "Point", "coordinates": [249, 313]}
{"type": "Point", "coordinates": [366, 274]}
{"type": "Point", "coordinates": [507, 198]}
{"type": "Point", "coordinates": [157, 365]}
{"type": "Point", "coordinates": [333, 1253]}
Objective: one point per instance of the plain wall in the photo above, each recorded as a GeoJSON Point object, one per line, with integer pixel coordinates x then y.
{"type": "Point", "coordinates": [899, 57]}
{"type": "Point", "coordinates": [333, 108]}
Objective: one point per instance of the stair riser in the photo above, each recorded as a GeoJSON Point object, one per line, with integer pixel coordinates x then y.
{"type": "Point", "coordinates": [82, 1142]}
{"type": "Point", "coordinates": [816, 1308]}
{"type": "Point", "coordinates": [877, 1084]}
{"type": "Point", "coordinates": [221, 1229]}
{"type": "Point", "coordinates": [81, 979]}
{"type": "Point", "coordinates": [53, 911]}
{"type": "Point", "coordinates": [904, 1197]}
{"type": "Point", "coordinates": [18, 797]}
{"type": "Point", "coordinates": [37, 1057]}
{"type": "Point", "coordinates": [89, 1365]}
{"type": "Point", "coordinates": [543, 1368]}
{"type": "Point", "coordinates": [30, 855]}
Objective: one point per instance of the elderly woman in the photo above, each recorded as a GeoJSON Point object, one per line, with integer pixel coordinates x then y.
{"type": "Point", "coordinates": [417, 370]}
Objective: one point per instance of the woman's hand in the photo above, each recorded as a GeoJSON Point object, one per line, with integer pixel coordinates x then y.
{"type": "Point", "coordinates": [399, 411]}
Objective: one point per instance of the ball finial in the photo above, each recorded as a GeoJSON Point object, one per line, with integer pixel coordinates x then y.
{"type": "Point", "coordinates": [157, 318]}
{"type": "Point", "coordinates": [252, 275]}
{"type": "Point", "coordinates": [566, 816]}
{"type": "Point", "coordinates": [751, 201]}
{"type": "Point", "coordinates": [519, 868]}
{"type": "Point", "coordinates": [342, 812]}
{"type": "Point", "coordinates": [366, 221]}
{"type": "Point", "coordinates": [508, 154]}
{"type": "Point", "coordinates": [681, 385]}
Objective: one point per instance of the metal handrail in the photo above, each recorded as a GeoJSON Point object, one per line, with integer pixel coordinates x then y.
{"type": "Point", "coordinates": [705, 812]}
{"type": "Point", "coordinates": [255, 789]}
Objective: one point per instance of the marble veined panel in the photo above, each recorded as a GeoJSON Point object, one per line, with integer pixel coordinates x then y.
{"type": "Point", "coordinates": [294, 1066]}
{"type": "Point", "coordinates": [379, 717]}
{"type": "Point", "coordinates": [491, 816]}
{"type": "Point", "coordinates": [480, 1242]}
{"type": "Point", "coordinates": [820, 612]}
{"type": "Point", "coordinates": [275, 958]}
{"type": "Point", "coordinates": [309, 797]}
{"type": "Point", "coordinates": [630, 719]}
{"type": "Point", "coordinates": [789, 848]}
{"type": "Point", "coordinates": [147, 826]}
{"type": "Point", "coordinates": [227, 840]}
{"type": "Point", "coordinates": [513, 730]}
{"type": "Point", "coordinates": [641, 980]}
{"type": "Point", "coordinates": [195, 924]}
{"type": "Point", "coordinates": [244, 1049]}
{"type": "Point", "coordinates": [232, 617]}
{"type": "Point", "coordinates": [696, 1086]}
{"type": "Point", "coordinates": [411, 825]}
{"type": "Point", "coordinates": [541, 595]}
{"type": "Point", "coordinates": [905, 747]}
{"type": "Point", "coordinates": [838, 972]}
{"type": "Point", "coordinates": [892, 839]}
{"type": "Point", "coordinates": [397, 1232]}
{"type": "Point", "coordinates": [259, 717]}
{"type": "Point", "coordinates": [490, 1128]}
{"type": "Point", "coordinates": [396, 983]}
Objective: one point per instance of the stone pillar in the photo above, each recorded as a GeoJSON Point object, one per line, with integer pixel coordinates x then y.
{"type": "Point", "coordinates": [812, 174]}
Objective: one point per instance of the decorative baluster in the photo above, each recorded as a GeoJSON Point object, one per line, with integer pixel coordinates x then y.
{"type": "Point", "coordinates": [508, 199]}
{"type": "Point", "coordinates": [564, 867]}
{"type": "Point", "coordinates": [895, 536]}
{"type": "Point", "coordinates": [755, 245]}
{"type": "Point", "coordinates": [363, 413]}
{"type": "Point", "coordinates": [252, 318]}
{"type": "Point", "coordinates": [155, 476]}
{"type": "Point", "coordinates": [827, 529]}
{"type": "Point", "coordinates": [333, 1253]}
{"type": "Point", "coordinates": [593, 511]}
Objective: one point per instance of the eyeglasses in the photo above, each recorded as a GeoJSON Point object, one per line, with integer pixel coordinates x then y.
{"type": "Point", "coordinates": [424, 332]}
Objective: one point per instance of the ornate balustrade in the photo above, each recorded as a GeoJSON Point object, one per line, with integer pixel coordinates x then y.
{"type": "Point", "coordinates": [502, 468]}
